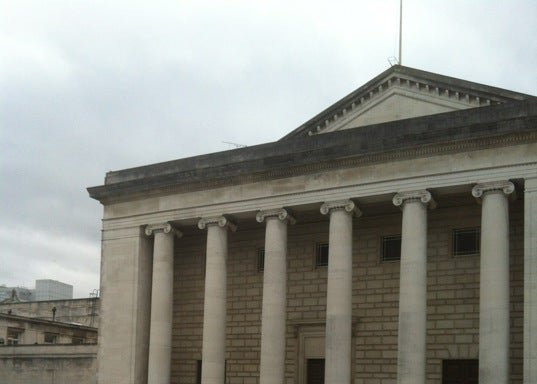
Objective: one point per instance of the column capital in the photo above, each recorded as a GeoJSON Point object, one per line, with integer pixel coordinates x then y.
{"type": "Point", "coordinates": [221, 221]}
{"type": "Point", "coordinates": [346, 205]}
{"type": "Point", "coordinates": [282, 214]}
{"type": "Point", "coordinates": [423, 196]}
{"type": "Point", "coordinates": [151, 229]}
{"type": "Point", "coordinates": [506, 187]}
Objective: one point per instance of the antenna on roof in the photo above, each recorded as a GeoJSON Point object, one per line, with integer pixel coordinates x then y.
{"type": "Point", "coordinates": [236, 145]}
{"type": "Point", "coordinates": [400, 32]}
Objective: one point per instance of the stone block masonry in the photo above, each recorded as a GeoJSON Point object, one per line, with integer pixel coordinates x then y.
{"type": "Point", "coordinates": [452, 298]}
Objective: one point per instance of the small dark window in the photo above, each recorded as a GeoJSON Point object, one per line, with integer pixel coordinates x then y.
{"type": "Point", "coordinates": [14, 336]}
{"type": "Point", "coordinates": [460, 371]}
{"type": "Point", "coordinates": [466, 241]}
{"type": "Point", "coordinates": [51, 338]}
{"type": "Point", "coordinates": [321, 257]}
{"type": "Point", "coordinates": [261, 260]}
{"type": "Point", "coordinates": [391, 248]}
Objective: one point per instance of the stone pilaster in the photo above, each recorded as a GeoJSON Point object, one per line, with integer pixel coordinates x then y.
{"type": "Point", "coordinates": [214, 309]}
{"type": "Point", "coordinates": [339, 292]}
{"type": "Point", "coordinates": [272, 366]}
{"type": "Point", "coordinates": [160, 334]}
{"type": "Point", "coordinates": [494, 282]}
{"type": "Point", "coordinates": [412, 350]}
{"type": "Point", "coordinates": [530, 281]}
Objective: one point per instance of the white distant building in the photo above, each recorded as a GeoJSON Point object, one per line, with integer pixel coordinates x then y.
{"type": "Point", "coordinates": [46, 289]}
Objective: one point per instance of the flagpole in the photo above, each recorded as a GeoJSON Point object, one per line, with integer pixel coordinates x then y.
{"type": "Point", "coordinates": [400, 32]}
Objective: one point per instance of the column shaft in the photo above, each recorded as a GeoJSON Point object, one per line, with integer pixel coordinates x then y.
{"type": "Point", "coordinates": [160, 334]}
{"type": "Point", "coordinates": [412, 332]}
{"type": "Point", "coordinates": [411, 356]}
{"type": "Point", "coordinates": [272, 366]}
{"type": "Point", "coordinates": [338, 340]}
{"type": "Point", "coordinates": [530, 281]}
{"type": "Point", "coordinates": [494, 290]}
{"type": "Point", "coordinates": [214, 312]}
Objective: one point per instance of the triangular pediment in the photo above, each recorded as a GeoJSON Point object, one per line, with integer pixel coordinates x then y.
{"type": "Point", "coordinates": [402, 93]}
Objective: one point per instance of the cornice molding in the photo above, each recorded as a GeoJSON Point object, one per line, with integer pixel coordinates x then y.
{"type": "Point", "coordinates": [506, 187]}
{"type": "Point", "coordinates": [167, 228]}
{"type": "Point", "coordinates": [356, 190]}
{"type": "Point", "coordinates": [422, 196]}
{"type": "Point", "coordinates": [361, 159]}
{"type": "Point", "coordinates": [221, 221]}
{"type": "Point", "coordinates": [341, 205]}
{"type": "Point", "coordinates": [282, 215]}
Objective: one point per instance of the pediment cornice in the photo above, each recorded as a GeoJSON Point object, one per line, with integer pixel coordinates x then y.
{"type": "Point", "coordinates": [411, 82]}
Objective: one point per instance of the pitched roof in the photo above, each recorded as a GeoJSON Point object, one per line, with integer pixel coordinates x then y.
{"type": "Point", "coordinates": [473, 94]}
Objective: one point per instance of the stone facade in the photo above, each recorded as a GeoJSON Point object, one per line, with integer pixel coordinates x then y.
{"type": "Point", "coordinates": [181, 287]}
{"type": "Point", "coordinates": [452, 298]}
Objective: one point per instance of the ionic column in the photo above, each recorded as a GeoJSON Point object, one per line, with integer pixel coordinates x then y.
{"type": "Point", "coordinates": [214, 308]}
{"type": "Point", "coordinates": [339, 292]}
{"type": "Point", "coordinates": [494, 282]}
{"type": "Point", "coordinates": [530, 281]}
{"type": "Point", "coordinates": [160, 333]}
{"type": "Point", "coordinates": [412, 350]}
{"type": "Point", "coordinates": [272, 367]}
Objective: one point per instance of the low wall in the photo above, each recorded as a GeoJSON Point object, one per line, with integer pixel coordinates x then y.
{"type": "Point", "coordinates": [48, 364]}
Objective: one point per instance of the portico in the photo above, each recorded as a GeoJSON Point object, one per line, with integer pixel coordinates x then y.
{"type": "Point", "coordinates": [248, 294]}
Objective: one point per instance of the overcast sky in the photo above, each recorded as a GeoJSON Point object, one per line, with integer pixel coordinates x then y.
{"type": "Point", "coordinates": [92, 86]}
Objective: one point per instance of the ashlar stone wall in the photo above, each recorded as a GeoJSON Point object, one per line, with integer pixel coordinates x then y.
{"type": "Point", "coordinates": [453, 297]}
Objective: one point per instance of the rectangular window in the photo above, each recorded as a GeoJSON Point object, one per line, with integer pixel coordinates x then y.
{"type": "Point", "coordinates": [51, 338]}
{"type": "Point", "coordinates": [261, 260]}
{"type": "Point", "coordinates": [460, 371]}
{"type": "Point", "coordinates": [321, 256]}
{"type": "Point", "coordinates": [391, 248]}
{"type": "Point", "coordinates": [466, 241]}
{"type": "Point", "coordinates": [14, 336]}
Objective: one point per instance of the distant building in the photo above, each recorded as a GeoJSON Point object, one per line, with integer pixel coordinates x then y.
{"type": "Point", "coordinates": [43, 351]}
{"type": "Point", "coordinates": [46, 289]}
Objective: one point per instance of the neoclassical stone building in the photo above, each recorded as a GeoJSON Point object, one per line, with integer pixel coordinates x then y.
{"type": "Point", "coordinates": [389, 239]}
